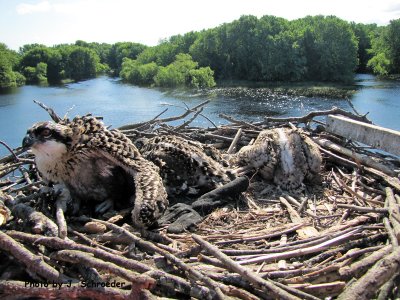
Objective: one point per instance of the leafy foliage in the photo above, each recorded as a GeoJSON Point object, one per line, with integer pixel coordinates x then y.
{"type": "Point", "coordinates": [386, 49]}
{"type": "Point", "coordinates": [8, 63]}
{"type": "Point", "coordinates": [269, 48]}
{"type": "Point", "coordinates": [122, 50]}
{"type": "Point", "coordinates": [82, 63]}
{"type": "Point", "coordinates": [182, 71]}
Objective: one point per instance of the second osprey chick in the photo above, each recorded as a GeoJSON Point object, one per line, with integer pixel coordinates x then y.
{"type": "Point", "coordinates": [285, 156]}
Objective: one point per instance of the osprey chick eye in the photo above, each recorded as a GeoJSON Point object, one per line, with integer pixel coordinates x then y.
{"type": "Point", "coordinates": [45, 132]}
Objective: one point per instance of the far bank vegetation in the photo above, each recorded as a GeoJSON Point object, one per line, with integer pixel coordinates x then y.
{"type": "Point", "coordinates": [266, 49]}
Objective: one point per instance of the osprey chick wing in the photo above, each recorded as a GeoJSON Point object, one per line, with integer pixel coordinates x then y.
{"type": "Point", "coordinates": [187, 167]}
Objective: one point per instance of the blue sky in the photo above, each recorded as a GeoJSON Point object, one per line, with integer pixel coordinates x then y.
{"type": "Point", "coordinates": [53, 22]}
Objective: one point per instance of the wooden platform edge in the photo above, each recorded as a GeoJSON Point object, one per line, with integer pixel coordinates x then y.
{"type": "Point", "coordinates": [369, 134]}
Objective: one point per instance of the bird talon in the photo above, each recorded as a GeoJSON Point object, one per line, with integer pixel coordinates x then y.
{"type": "Point", "coordinates": [104, 207]}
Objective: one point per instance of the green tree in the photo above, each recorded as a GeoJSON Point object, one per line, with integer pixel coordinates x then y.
{"type": "Point", "coordinates": [162, 54]}
{"type": "Point", "coordinates": [284, 51]}
{"type": "Point", "coordinates": [34, 56]}
{"type": "Point", "coordinates": [137, 73]}
{"type": "Point", "coordinates": [9, 61]}
{"type": "Point", "coordinates": [82, 63]}
{"type": "Point", "coordinates": [393, 41]}
{"type": "Point", "coordinates": [364, 34]}
{"type": "Point", "coordinates": [329, 46]}
{"type": "Point", "coordinates": [55, 67]}
{"type": "Point", "coordinates": [380, 64]}
{"type": "Point", "coordinates": [169, 76]}
{"type": "Point", "coordinates": [41, 72]}
{"type": "Point", "coordinates": [122, 50]}
{"type": "Point", "coordinates": [7, 76]}
{"type": "Point", "coordinates": [25, 48]}
{"type": "Point", "coordinates": [30, 74]}
{"type": "Point", "coordinates": [202, 78]}
{"type": "Point", "coordinates": [183, 71]}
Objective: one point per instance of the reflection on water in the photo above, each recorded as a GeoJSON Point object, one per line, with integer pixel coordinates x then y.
{"type": "Point", "coordinates": [121, 103]}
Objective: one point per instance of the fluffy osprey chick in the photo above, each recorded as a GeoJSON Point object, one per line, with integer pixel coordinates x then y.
{"type": "Point", "coordinates": [98, 165]}
{"type": "Point", "coordinates": [187, 167]}
{"type": "Point", "coordinates": [285, 156]}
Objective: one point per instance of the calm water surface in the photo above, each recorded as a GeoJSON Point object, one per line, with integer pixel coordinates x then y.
{"type": "Point", "coordinates": [121, 104]}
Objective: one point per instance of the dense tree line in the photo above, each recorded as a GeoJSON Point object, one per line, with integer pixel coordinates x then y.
{"type": "Point", "coordinates": [9, 61]}
{"type": "Point", "coordinates": [257, 49]}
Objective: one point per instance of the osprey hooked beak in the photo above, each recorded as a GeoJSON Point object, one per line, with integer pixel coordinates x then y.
{"type": "Point", "coordinates": [28, 141]}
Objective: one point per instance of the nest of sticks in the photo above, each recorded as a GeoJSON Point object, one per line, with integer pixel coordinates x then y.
{"type": "Point", "coordinates": [335, 240]}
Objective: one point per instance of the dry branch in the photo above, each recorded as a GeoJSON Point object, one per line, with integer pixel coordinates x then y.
{"type": "Point", "coordinates": [37, 221]}
{"type": "Point", "coordinates": [246, 273]}
{"type": "Point", "coordinates": [50, 111]}
{"type": "Point", "coordinates": [360, 159]}
{"type": "Point", "coordinates": [367, 286]}
{"type": "Point", "coordinates": [77, 257]}
{"type": "Point", "coordinates": [170, 257]}
{"type": "Point", "coordinates": [300, 252]}
{"type": "Point", "coordinates": [165, 120]}
{"type": "Point", "coordinates": [307, 118]}
{"type": "Point", "coordinates": [304, 232]}
{"type": "Point", "coordinates": [19, 289]}
{"type": "Point", "coordinates": [394, 212]}
{"type": "Point", "coordinates": [33, 262]}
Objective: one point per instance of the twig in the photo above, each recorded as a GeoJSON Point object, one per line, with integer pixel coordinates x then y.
{"type": "Point", "coordinates": [190, 120]}
{"type": "Point", "coordinates": [166, 120]}
{"type": "Point", "coordinates": [33, 262]}
{"type": "Point", "coordinates": [351, 192]}
{"type": "Point", "coordinates": [94, 243]}
{"type": "Point", "coordinates": [260, 237]}
{"type": "Point", "coordinates": [20, 289]}
{"type": "Point", "coordinates": [61, 207]}
{"type": "Point", "coordinates": [300, 252]}
{"type": "Point", "coordinates": [386, 289]}
{"type": "Point", "coordinates": [248, 274]}
{"type": "Point", "coordinates": [394, 212]}
{"type": "Point", "coordinates": [37, 221]}
{"type": "Point", "coordinates": [61, 244]}
{"type": "Point", "coordinates": [364, 209]}
{"type": "Point", "coordinates": [238, 122]}
{"type": "Point", "coordinates": [355, 156]}
{"type": "Point", "coordinates": [361, 266]}
{"type": "Point", "coordinates": [14, 155]}
{"type": "Point", "coordinates": [305, 231]}
{"type": "Point", "coordinates": [49, 110]}
{"type": "Point", "coordinates": [313, 114]}
{"type": "Point", "coordinates": [367, 286]}
{"type": "Point", "coordinates": [234, 142]}
{"type": "Point", "coordinates": [172, 258]}
{"type": "Point", "coordinates": [78, 257]}
{"type": "Point", "coordinates": [391, 234]}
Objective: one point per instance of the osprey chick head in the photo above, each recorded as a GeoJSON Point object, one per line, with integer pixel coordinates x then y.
{"type": "Point", "coordinates": [47, 137]}
{"type": "Point", "coordinates": [49, 143]}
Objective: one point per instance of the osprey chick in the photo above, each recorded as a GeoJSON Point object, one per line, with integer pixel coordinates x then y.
{"type": "Point", "coordinates": [187, 167]}
{"type": "Point", "coordinates": [98, 165]}
{"type": "Point", "coordinates": [285, 156]}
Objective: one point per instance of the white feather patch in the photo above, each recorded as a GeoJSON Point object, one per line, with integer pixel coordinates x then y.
{"type": "Point", "coordinates": [286, 152]}
{"type": "Point", "coordinates": [48, 156]}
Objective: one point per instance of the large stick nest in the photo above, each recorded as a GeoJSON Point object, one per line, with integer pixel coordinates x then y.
{"type": "Point", "coordinates": [337, 239]}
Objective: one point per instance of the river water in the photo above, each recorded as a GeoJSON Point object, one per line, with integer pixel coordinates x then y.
{"type": "Point", "coordinates": [121, 103]}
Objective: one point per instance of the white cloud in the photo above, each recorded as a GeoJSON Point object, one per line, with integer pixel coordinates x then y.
{"type": "Point", "coordinates": [25, 8]}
